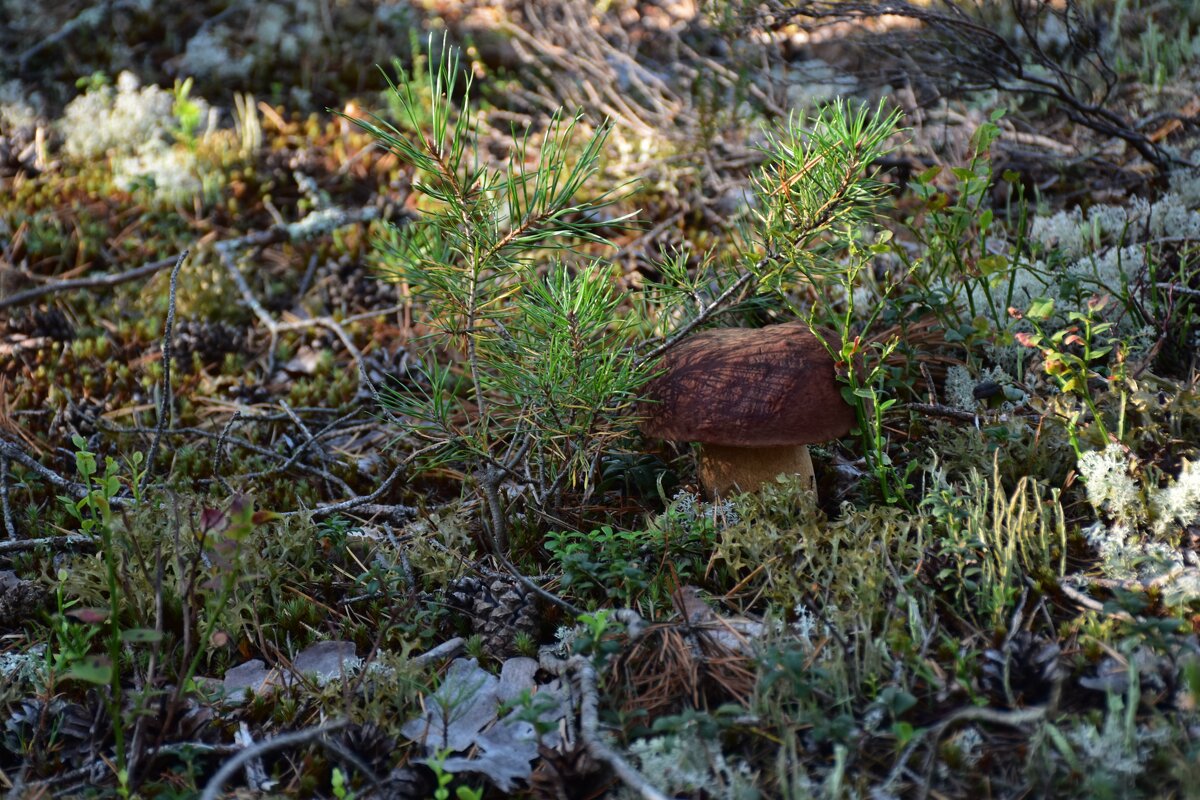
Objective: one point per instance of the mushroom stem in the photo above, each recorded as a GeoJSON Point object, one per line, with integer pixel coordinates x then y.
{"type": "Point", "coordinates": [724, 468]}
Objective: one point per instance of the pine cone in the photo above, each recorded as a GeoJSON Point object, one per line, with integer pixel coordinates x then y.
{"type": "Point", "coordinates": [570, 775]}
{"type": "Point", "coordinates": [18, 152]}
{"type": "Point", "coordinates": [19, 600]}
{"type": "Point", "coordinates": [81, 418]}
{"type": "Point", "coordinates": [372, 744]}
{"type": "Point", "coordinates": [349, 286]}
{"type": "Point", "coordinates": [1031, 665]}
{"type": "Point", "coordinates": [406, 783]}
{"type": "Point", "coordinates": [77, 732]}
{"type": "Point", "coordinates": [498, 611]}
{"type": "Point", "coordinates": [211, 340]}
{"type": "Point", "coordinates": [49, 322]}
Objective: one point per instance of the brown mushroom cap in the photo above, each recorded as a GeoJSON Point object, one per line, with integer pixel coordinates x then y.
{"type": "Point", "coordinates": [744, 387]}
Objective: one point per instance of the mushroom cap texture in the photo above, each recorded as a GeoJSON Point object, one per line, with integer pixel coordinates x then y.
{"type": "Point", "coordinates": [745, 387]}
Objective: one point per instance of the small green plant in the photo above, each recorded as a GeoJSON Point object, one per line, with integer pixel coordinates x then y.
{"type": "Point", "coordinates": [436, 762]}
{"type": "Point", "coordinates": [958, 279]}
{"type": "Point", "coordinates": [625, 566]}
{"type": "Point", "coordinates": [1070, 355]}
{"type": "Point", "coordinates": [187, 112]}
{"type": "Point", "coordinates": [93, 512]}
{"type": "Point", "coordinates": [993, 539]}
{"type": "Point", "coordinates": [70, 637]}
{"type": "Point", "coordinates": [809, 170]}
{"type": "Point", "coordinates": [600, 635]}
{"type": "Point", "coordinates": [341, 786]}
{"type": "Point", "coordinates": [547, 356]}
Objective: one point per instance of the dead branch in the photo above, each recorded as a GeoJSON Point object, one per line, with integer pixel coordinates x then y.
{"type": "Point", "coordinates": [256, 751]}
{"type": "Point", "coordinates": [71, 541]}
{"type": "Point", "coordinates": [9, 528]}
{"type": "Point", "coordinates": [589, 731]}
{"type": "Point", "coordinates": [165, 404]}
{"type": "Point", "coordinates": [114, 279]}
{"type": "Point", "coordinates": [969, 54]}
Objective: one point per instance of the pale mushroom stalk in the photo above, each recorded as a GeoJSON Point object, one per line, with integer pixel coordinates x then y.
{"type": "Point", "coordinates": [723, 467]}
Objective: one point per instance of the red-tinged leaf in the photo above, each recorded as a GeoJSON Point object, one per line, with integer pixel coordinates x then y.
{"type": "Point", "coordinates": [91, 616]}
{"type": "Point", "coordinates": [238, 505]}
{"type": "Point", "coordinates": [1028, 339]}
{"type": "Point", "coordinates": [213, 520]}
{"type": "Point", "coordinates": [259, 517]}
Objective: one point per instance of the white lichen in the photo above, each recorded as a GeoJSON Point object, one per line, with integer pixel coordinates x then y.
{"type": "Point", "coordinates": [1136, 545]}
{"type": "Point", "coordinates": [120, 119]}
{"type": "Point", "coordinates": [1179, 502]}
{"type": "Point", "coordinates": [686, 764]}
{"type": "Point", "coordinates": [168, 173]}
{"type": "Point", "coordinates": [1111, 487]}
{"type": "Point", "coordinates": [959, 388]}
{"type": "Point", "coordinates": [18, 106]}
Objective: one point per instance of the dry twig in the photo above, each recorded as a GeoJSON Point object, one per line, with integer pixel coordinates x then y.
{"type": "Point", "coordinates": [589, 730]}
{"type": "Point", "coordinates": [213, 789]}
{"type": "Point", "coordinates": [88, 283]}
{"type": "Point", "coordinates": [165, 404]}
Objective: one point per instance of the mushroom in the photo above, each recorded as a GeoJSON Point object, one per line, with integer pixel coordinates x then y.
{"type": "Point", "coordinates": [753, 398]}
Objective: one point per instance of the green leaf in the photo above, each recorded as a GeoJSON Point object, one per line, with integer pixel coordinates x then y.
{"type": "Point", "coordinates": [991, 264]}
{"type": "Point", "coordinates": [141, 636]}
{"type": "Point", "coordinates": [1041, 309]}
{"type": "Point", "coordinates": [93, 669]}
{"type": "Point", "coordinates": [928, 175]}
{"type": "Point", "coordinates": [85, 463]}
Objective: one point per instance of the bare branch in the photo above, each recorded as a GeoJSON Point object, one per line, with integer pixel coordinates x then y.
{"type": "Point", "coordinates": [98, 281]}
{"type": "Point", "coordinates": [213, 789]}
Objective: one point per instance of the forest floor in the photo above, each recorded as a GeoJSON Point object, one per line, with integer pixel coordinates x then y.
{"type": "Point", "coordinates": [320, 463]}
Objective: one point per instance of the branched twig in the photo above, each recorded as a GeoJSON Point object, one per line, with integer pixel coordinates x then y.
{"type": "Point", "coordinates": [70, 541]}
{"type": "Point", "coordinates": [165, 406]}
{"type": "Point", "coordinates": [256, 449]}
{"type": "Point", "coordinates": [978, 56]}
{"type": "Point", "coordinates": [9, 527]}
{"type": "Point", "coordinates": [87, 283]}
{"type": "Point", "coordinates": [705, 314]}
{"type": "Point", "coordinates": [939, 410]}
{"type": "Point", "coordinates": [15, 453]}
{"type": "Point", "coordinates": [361, 500]}
{"type": "Point", "coordinates": [309, 439]}
{"type": "Point", "coordinates": [219, 456]}
{"type": "Point", "coordinates": [991, 716]}
{"type": "Point", "coordinates": [589, 731]}
{"type": "Point", "coordinates": [213, 789]}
